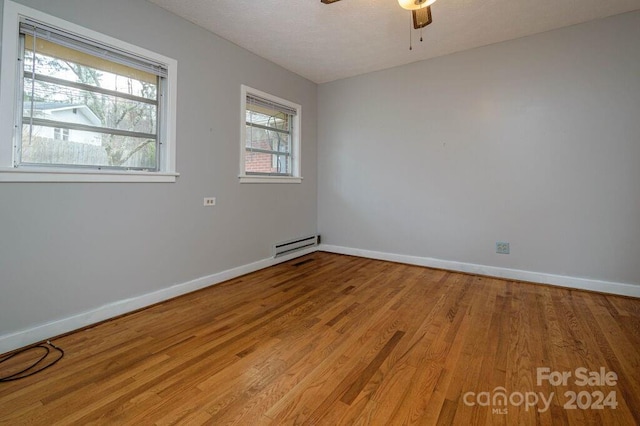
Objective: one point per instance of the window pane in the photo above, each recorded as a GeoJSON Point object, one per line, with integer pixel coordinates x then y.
{"type": "Point", "coordinates": [269, 140]}
{"type": "Point", "coordinates": [61, 62]}
{"type": "Point", "coordinates": [267, 117]}
{"type": "Point", "coordinates": [82, 148]}
{"type": "Point", "coordinates": [283, 164]}
{"type": "Point", "coordinates": [260, 162]}
{"type": "Point", "coordinates": [72, 105]}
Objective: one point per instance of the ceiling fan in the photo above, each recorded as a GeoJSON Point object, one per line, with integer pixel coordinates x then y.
{"type": "Point", "coordinates": [420, 10]}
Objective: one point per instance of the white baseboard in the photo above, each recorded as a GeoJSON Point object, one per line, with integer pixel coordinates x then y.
{"type": "Point", "coordinates": [622, 289]}
{"type": "Point", "coordinates": [9, 342]}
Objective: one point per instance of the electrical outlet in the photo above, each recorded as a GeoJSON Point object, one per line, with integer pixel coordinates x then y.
{"type": "Point", "coordinates": [209, 201]}
{"type": "Point", "coordinates": [502, 247]}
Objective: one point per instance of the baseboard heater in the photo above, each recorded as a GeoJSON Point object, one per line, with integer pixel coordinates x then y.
{"type": "Point", "coordinates": [287, 247]}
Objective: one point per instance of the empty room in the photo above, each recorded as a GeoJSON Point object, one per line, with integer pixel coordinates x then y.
{"type": "Point", "coordinates": [320, 212]}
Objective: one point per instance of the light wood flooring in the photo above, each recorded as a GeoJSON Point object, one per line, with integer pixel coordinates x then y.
{"type": "Point", "coordinates": [331, 339]}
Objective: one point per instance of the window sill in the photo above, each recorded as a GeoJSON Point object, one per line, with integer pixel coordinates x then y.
{"type": "Point", "coordinates": [66, 175]}
{"type": "Point", "coordinates": [269, 179]}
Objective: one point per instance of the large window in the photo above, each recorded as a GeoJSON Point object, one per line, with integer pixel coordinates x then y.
{"type": "Point", "coordinates": [86, 104]}
{"type": "Point", "coordinates": [270, 143]}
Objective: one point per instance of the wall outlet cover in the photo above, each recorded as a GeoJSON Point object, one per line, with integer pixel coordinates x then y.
{"type": "Point", "coordinates": [502, 247]}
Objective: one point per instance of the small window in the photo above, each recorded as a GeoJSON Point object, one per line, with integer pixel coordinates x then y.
{"type": "Point", "coordinates": [87, 103]}
{"type": "Point", "coordinates": [270, 143]}
{"type": "Point", "coordinates": [61, 134]}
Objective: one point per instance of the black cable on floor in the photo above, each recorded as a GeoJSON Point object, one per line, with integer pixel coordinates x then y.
{"type": "Point", "coordinates": [18, 375]}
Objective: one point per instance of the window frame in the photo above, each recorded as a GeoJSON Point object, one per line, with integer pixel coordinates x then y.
{"type": "Point", "coordinates": [11, 95]}
{"type": "Point", "coordinates": [60, 134]}
{"type": "Point", "coordinates": [296, 176]}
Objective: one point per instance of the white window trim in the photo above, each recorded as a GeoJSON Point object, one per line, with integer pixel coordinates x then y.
{"type": "Point", "coordinates": [295, 140]}
{"type": "Point", "coordinates": [9, 93]}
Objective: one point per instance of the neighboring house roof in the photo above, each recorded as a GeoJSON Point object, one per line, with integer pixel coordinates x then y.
{"type": "Point", "coordinates": [54, 107]}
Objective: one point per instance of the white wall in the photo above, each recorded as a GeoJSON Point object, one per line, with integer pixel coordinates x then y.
{"type": "Point", "coordinates": [66, 249]}
{"type": "Point", "coordinates": [534, 141]}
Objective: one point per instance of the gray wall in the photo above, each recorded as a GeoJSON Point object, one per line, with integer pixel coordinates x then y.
{"type": "Point", "coordinates": [534, 141]}
{"type": "Point", "coordinates": [69, 248]}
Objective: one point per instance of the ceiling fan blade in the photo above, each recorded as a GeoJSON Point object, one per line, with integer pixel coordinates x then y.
{"type": "Point", "coordinates": [329, 1]}
{"type": "Point", "coordinates": [422, 17]}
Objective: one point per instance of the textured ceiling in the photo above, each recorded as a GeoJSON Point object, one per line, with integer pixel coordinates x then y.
{"type": "Point", "coordinates": [326, 42]}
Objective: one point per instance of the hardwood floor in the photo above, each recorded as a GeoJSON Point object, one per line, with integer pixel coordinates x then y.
{"type": "Point", "coordinates": [331, 339]}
